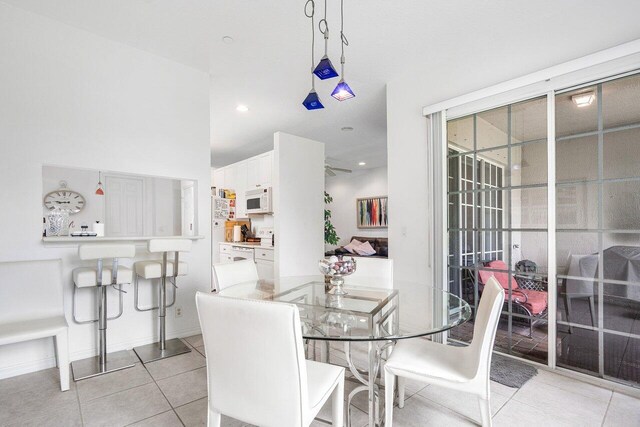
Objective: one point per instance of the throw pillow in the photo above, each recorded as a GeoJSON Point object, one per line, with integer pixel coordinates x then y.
{"type": "Point", "coordinates": [365, 249]}
{"type": "Point", "coordinates": [352, 246]}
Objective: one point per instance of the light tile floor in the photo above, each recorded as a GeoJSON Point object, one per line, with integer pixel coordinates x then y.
{"type": "Point", "coordinates": [173, 392]}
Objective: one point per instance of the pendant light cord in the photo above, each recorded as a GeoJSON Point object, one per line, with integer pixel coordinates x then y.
{"type": "Point", "coordinates": [310, 11]}
{"type": "Point", "coordinates": [343, 39]}
{"type": "Point", "coordinates": [324, 29]}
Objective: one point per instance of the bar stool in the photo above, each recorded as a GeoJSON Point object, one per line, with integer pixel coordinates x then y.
{"type": "Point", "coordinates": [167, 270]}
{"type": "Point", "coordinates": [100, 278]}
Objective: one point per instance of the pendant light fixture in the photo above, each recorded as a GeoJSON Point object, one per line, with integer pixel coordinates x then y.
{"type": "Point", "coordinates": [324, 70]}
{"type": "Point", "coordinates": [342, 90]}
{"type": "Point", "coordinates": [99, 190]}
{"type": "Point", "coordinates": [312, 101]}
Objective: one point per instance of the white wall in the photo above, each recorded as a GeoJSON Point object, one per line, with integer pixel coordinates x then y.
{"type": "Point", "coordinates": [407, 172]}
{"type": "Point", "coordinates": [345, 189]}
{"type": "Point", "coordinates": [74, 99]}
{"type": "Point", "coordinates": [298, 202]}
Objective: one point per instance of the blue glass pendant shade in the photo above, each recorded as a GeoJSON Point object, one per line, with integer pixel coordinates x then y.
{"type": "Point", "coordinates": [312, 102]}
{"type": "Point", "coordinates": [342, 91]}
{"type": "Point", "coordinates": [324, 70]}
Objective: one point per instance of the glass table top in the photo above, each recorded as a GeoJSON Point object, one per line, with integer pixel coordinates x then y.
{"type": "Point", "coordinates": [369, 311]}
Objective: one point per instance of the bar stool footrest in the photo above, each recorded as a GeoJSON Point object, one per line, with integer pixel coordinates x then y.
{"type": "Point", "coordinates": [151, 352]}
{"type": "Point", "coordinates": [87, 368]}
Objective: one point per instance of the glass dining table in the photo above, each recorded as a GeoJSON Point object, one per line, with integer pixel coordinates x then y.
{"type": "Point", "coordinates": [371, 312]}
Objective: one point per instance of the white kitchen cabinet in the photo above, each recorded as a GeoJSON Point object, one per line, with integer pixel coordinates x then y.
{"type": "Point", "coordinates": [266, 169]}
{"type": "Point", "coordinates": [264, 263]}
{"type": "Point", "coordinates": [241, 188]}
{"type": "Point", "coordinates": [265, 270]}
{"type": "Point", "coordinates": [253, 172]}
{"type": "Point", "coordinates": [218, 178]}
{"type": "Point", "coordinates": [230, 176]}
{"type": "Point", "coordinates": [260, 170]}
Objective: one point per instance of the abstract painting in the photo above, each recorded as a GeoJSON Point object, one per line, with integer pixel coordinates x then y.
{"type": "Point", "coordinates": [372, 212]}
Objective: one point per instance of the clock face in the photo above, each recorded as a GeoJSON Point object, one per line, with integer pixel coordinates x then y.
{"type": "Point", "coordinates": [65, 200]}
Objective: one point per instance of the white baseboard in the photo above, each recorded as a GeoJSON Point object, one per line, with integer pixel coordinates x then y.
{"type": "Point", "coordinates": [50, 362]}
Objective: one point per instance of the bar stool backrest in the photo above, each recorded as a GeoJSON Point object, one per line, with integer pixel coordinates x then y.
{"type": "Point", "coordinates": [102, 251]}
{"type": "Point", "coordinates": [30, 289]}
{"type": "Point", "coordinates": [169, 245]}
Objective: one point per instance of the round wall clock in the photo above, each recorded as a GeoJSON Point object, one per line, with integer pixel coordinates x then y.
{"type": "Point", "coordinates": [64, 200]}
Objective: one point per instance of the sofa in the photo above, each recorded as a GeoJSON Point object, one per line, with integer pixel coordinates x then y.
{"type": "Point", "coordinates": [380, 244]}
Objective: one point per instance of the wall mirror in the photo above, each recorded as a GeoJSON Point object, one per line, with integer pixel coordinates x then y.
{"type": "Point", "coordinates": [116, 204]}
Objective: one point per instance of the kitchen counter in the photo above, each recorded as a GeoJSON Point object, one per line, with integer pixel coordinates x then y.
{"type": "Point", "coordinates": [51, 240]}
{"type": "Point", "coordinates": [247, 245]}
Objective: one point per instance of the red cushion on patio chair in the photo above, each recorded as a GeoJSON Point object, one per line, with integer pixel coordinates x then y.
{"type": "Point", "coordinates": [536, 300]}
{"type": "Point", "coordinates": [501, 276]}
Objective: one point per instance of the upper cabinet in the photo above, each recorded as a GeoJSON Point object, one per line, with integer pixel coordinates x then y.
{"type": "Point", "coordinates": [260, 171]}
{"type": "Point", "coordinates": [241, 188]}
{"type": "Point", "coordinates": [254, 172]}
{"type": "Point", "coordinates": [218, 178]}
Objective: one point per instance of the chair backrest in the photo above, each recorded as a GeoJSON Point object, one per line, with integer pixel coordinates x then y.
{"type": "Point", "coordinates": [256, 370]}
{"type": "Point", "coordinates": [30, 290]}
{"type": "Point", "coordinates": [372, 272]}
{"type": "Point", "coordinates": [581, 266]}
{"type": "Point", "coordinates": [486, 324]}
{"type": "Point", "coordinates": [503, 277]}
{"type": "Point", "coordinates": [169, 245]}
{"type": "Point", "coordinates": [231, 273]}
{"type": "Point", "coordinates": [102, 251]}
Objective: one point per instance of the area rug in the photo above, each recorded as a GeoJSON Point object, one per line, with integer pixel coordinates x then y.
{"type": "Point", "coordinates": [510, 372]}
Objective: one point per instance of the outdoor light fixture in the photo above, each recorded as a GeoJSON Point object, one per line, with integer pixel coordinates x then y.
{"type": "Point", "coordinates": [324, 70]}
{"type": "Point", "coordinates": [342, 90]}
{"type": "Point", "coordinates": [583, 99]}
{"type": "Point", "coordinates": [312, 101]}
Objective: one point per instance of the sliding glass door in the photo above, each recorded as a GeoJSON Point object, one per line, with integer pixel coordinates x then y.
{"type": "Point", "coordinates": [498, 212]}
{"type": "Point", "coordinates": [598, 229]}
{"type": "Point", "coordinates": [497, 193]}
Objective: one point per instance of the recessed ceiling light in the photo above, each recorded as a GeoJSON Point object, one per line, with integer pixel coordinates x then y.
{"type": "Point", "coordinates": [584, 99]}
{"type": "Point", "coordinates": [346, 128]}
{"type": "Point", "coordinates": [361, 164]}
{"type": "Point", "coordinates": [227, 40]}
{"type": "Point", "coordinates": [242, 108]}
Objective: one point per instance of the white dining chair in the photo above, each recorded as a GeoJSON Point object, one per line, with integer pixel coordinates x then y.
{"type": "Point", "coordinates": [256, 370]}
{"type": "Point", "coordinates": [460, 368]}
{"type": "Point", "coordinates": [231, 273]}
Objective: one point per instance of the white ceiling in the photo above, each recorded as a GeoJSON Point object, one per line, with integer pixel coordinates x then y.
{"type": "Point", "coordinates": [456, 46]}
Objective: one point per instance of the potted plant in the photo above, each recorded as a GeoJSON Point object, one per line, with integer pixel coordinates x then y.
{"type": "Point", "coordinates": [330, 235]}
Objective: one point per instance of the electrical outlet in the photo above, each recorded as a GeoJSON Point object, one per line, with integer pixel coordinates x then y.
{"type": "Point", "coordinates": [178, 311]}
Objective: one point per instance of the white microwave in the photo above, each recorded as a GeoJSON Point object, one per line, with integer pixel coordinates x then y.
{"type": "Point", "coordinates": [259, 201]}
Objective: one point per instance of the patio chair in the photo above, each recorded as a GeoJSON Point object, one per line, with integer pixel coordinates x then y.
{"type": "Point", "coordinates": [529, 302]}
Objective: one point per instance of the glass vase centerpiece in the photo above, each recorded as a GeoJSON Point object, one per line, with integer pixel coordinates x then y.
{"type": "Point", "coordinates": [336, 268]}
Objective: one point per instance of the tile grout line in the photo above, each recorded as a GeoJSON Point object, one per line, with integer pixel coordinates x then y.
{"type": "Point", "coordinates": [79, 404]}
{"type": "Point", "coordinates": [111, 394]}
{"type": "Point", "coordinates": [161, 392]}
{"type": "Point", "coordinates": [190, 370]}
{"type": "Point", "coordinates": [163, 412]}
{"type": "Point", "coordinates": [443, 408]}
{"type": "Point", "coordinates": [604, 418]}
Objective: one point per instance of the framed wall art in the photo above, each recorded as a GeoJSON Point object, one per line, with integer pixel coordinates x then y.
{"type": "Point", "coordinates": [372, 212]}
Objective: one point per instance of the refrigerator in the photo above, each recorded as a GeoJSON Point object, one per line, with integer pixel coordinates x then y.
{"type": "Point", "coordinates": [221, 210]}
